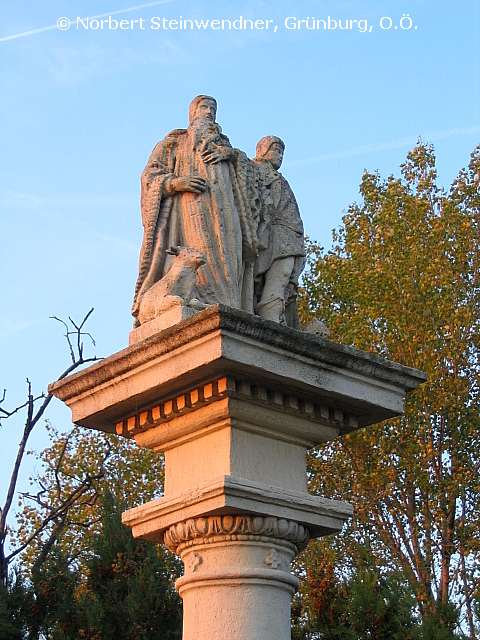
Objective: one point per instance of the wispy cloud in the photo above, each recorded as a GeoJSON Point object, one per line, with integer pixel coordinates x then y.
{"type": "Point", "coordinates": [119, 244]}
{"type": "Point", "coordinates": [102, 15]}
{"type": "Point", "coordinates": [14, 197]}
{"type": "Point", "coordinates": [384, 146]}
{"type": "Point", "coordinates": [8, 327]}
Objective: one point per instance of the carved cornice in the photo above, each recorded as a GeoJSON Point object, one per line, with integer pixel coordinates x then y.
{"type": "Point", "coordinates": [219, 317]}
{"type": "Point", "coordinates": [235, 387]}
{"type": "Point", "coordinates": [219, 342]}
{"type": "Point", "coordinates": [232, 527]}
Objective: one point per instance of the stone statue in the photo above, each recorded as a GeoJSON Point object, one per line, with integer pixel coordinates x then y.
{"type": "Point", "coordinates": [199, 192]}
{"type": "Point", "coordinates": [218, 227]}
{"type": "Point", "coordinates": [281, 256]}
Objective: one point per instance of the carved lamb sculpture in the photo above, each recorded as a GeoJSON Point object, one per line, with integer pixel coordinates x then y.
{"type": "Point", "coordinates": [176, 287]}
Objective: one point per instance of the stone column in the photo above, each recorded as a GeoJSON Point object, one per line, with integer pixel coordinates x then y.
{"type": "Point", "coordinates": [234, 402]}
{"type": "Point", "coordinates": [237, 568]}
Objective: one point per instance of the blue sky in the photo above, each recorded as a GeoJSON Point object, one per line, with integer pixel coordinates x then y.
{"type": "Point", "coordinates": [81, 109]}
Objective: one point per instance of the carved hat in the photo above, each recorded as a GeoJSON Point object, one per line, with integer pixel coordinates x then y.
{"type": "Point", "coordinates": [265, 143]}
{"type": "Point", "coordinates": [192, 109]}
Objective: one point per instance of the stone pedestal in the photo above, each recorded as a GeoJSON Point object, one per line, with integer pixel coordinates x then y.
{"type": "Point", "coordinates": [234, 402]}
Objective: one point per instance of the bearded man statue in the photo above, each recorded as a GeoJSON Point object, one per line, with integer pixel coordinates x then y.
{"type": "Point", "coordinates": [200, 192]}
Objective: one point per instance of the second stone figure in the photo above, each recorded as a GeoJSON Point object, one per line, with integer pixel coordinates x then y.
{"type": "Point", "coordinates": [281, 257]}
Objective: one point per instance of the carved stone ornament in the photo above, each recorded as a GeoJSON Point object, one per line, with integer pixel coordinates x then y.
{"type": "Point", "coordinates": [193, 561]}
{"type": "Point", "coordinates": [318, 328]}
{"type": "Point", "coordinates": [210, 392]}
{"type": "Point", "coordinates": [236, 528]}
{"type": "Point", "coordinates": [273, 559]}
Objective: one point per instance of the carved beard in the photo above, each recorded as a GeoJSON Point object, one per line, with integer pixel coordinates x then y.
{"type": "Point", "coordinates": [204, 133]}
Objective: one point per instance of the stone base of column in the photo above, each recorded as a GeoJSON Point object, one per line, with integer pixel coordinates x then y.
{"type": "Point", "coordinates": [234, 402]}
{"type": "Point", "coordinates": [237, 581]}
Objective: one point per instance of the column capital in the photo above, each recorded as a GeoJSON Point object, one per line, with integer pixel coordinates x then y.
{"type": "Point", "coordinates": [235, 527]}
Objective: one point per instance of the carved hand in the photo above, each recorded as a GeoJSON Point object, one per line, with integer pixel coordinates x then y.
{"type": "Point", "coordinates": [217, 155]}
{"type": "Point", "coordinates": [196, 184]}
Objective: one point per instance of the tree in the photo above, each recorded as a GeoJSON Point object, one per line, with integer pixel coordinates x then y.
{"type": "Point", "coordinates": [402, 280]}
{"type": "Point", "coordinates": [70, 584]}
{"type": "Point", "coordinates": [33, 417]}
{"type": "Point", "coordinates": [16, 600]}
{"type": "Point", "coordinates": [65, 510]}
{"type": "Point", "coordinates": [368, 604]}
{"type": "Point", "coordinates": [125, 591]}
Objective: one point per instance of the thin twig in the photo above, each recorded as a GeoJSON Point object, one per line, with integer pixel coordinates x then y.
{"type": "Point", "coordinates": [32, 420]}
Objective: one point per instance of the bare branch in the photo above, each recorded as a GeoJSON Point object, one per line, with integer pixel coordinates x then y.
{"type": "Point", "coordinates": [6, 414]}
{"type": "Point", "coordinates": [67, 336]}
{"type": "Point", "coordinates": [86, 318]}
{"type": "Point", "coordinates": [58, 513]}
{"type": "Point", "coordinates": [32, 420]}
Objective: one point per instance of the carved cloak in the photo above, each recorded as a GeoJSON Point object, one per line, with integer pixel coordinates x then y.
{"type": "Point", "coordinates": [220, 222]}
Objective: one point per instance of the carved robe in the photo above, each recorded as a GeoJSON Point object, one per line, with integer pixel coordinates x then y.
{"type": "Point", "coordinates": [220, 222]}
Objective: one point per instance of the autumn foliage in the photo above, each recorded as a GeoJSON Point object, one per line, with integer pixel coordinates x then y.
{"type": "Point", "coordinates": [403, 281]}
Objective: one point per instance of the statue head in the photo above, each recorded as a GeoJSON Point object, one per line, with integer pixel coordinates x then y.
{"type": "Point", "coordinates": [270, 148]}
{"type": "Point", "coordinates": [202, 107]}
